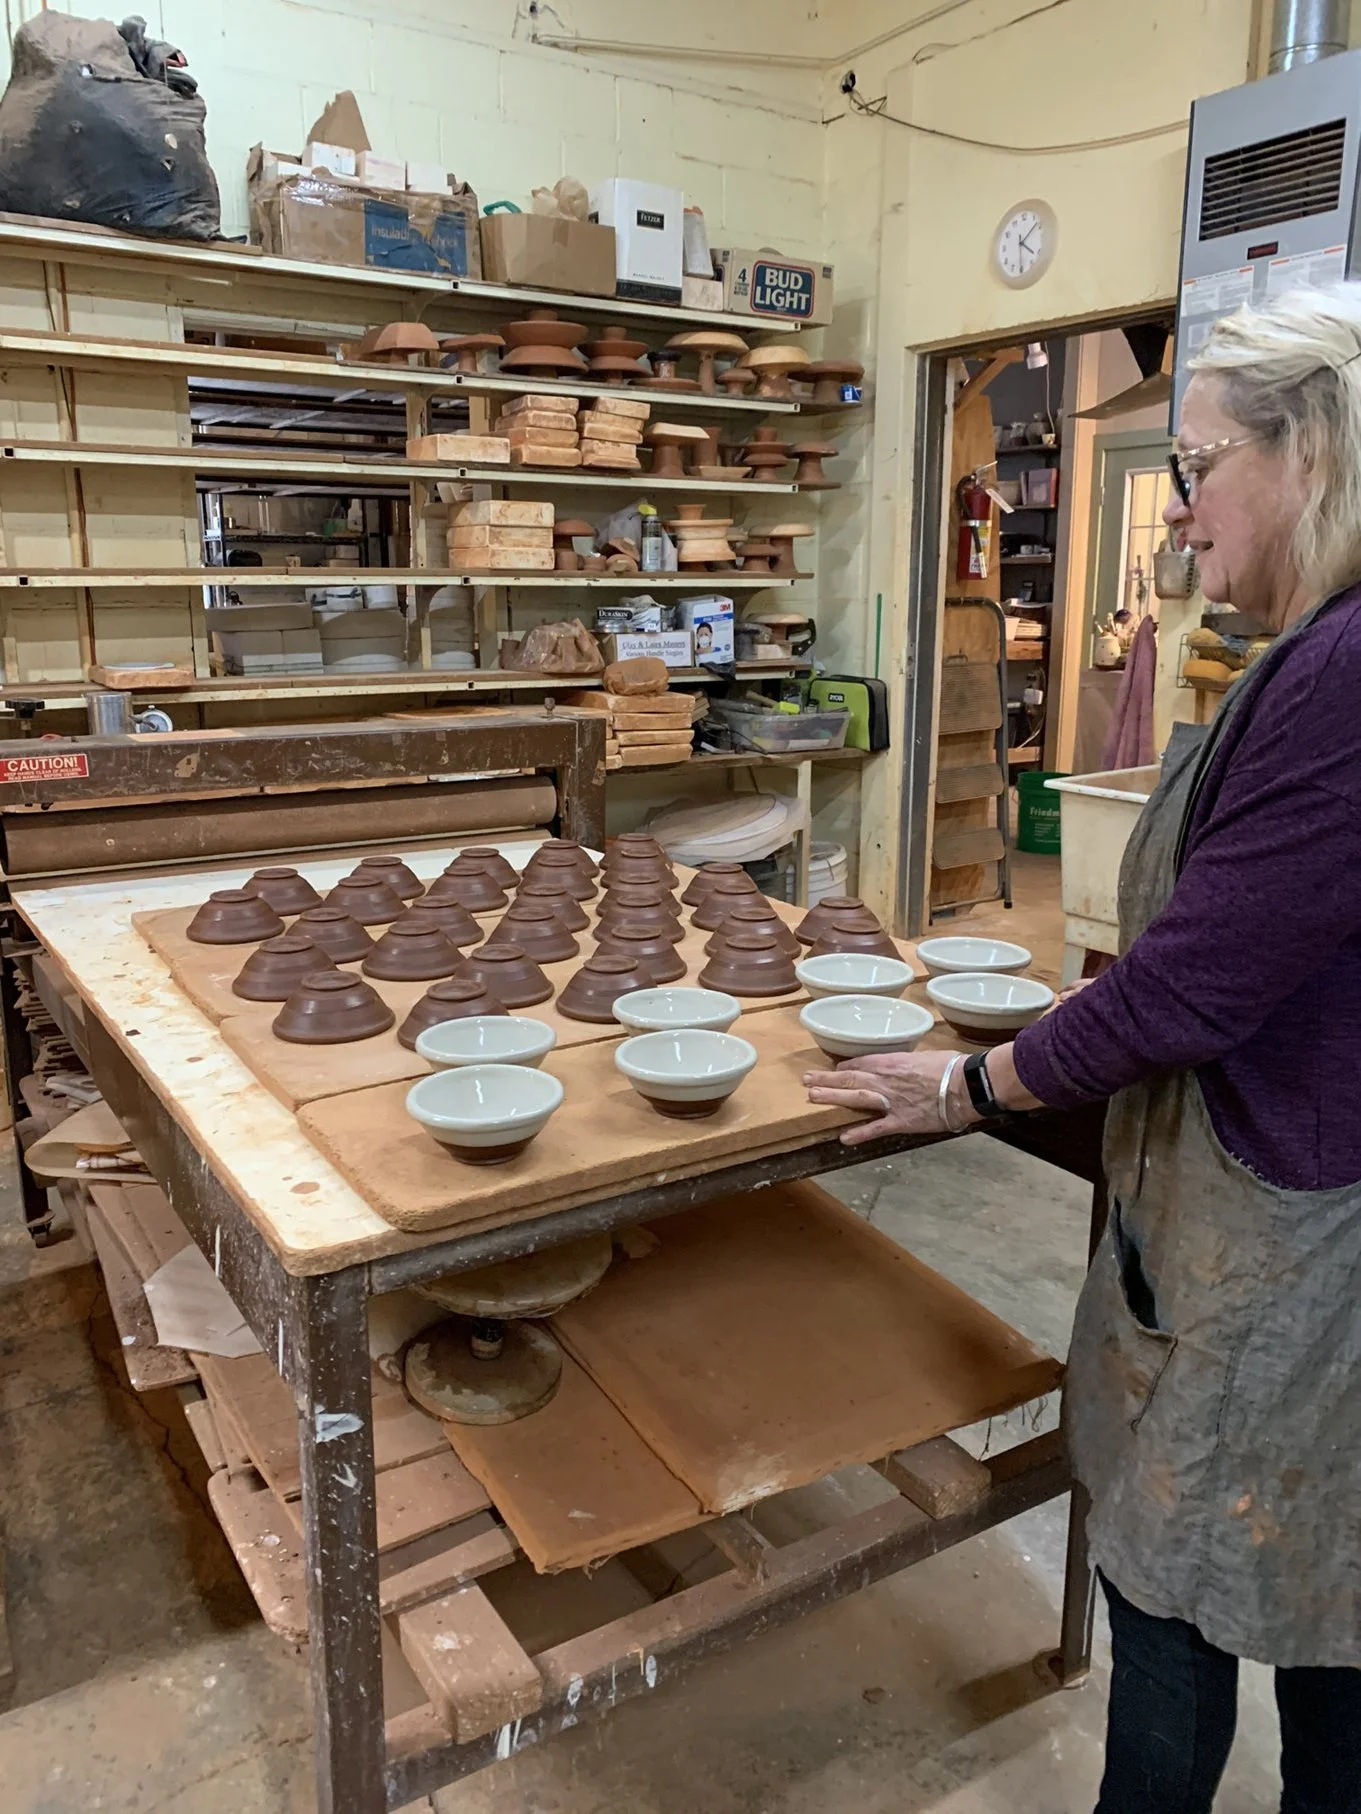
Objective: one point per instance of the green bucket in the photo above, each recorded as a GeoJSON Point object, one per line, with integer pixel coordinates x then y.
{"type": "Point", "coordinates": [1037, 816]}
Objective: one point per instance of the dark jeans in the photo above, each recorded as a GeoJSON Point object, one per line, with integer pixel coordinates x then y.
{"type": "Point", "coordinates": [1174, 1706]}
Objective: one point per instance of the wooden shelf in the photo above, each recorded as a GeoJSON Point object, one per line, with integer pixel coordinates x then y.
{"type": "Point", "coordinates": [1028, 560]}
{"type": "Point", "coordinates": [340, 470]}
{"type": "Point", "coordinates": [77, 351]}
{"type": "Point", "coordinates": [482, 293]}
{"type": "Point", "coordinates": [104, 579]}
{"type": "Point", "coordinates": [753, 759]}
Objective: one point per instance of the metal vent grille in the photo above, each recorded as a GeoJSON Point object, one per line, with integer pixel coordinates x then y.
{"type": "Point", "coordinates": [1262, 185]}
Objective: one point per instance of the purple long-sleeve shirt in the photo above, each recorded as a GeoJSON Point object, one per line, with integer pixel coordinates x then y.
{"type": "Point", "coordinates": [1252, 972]}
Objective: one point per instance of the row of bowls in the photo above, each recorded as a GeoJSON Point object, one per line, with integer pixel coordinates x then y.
{"type": "Point", "coordinates": [487, 1098]}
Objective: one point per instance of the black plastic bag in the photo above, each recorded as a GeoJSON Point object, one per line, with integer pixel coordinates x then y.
{"type": "Point", "coordinates": [86, 136]}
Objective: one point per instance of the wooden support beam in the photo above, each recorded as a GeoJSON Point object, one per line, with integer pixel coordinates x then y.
{"type": "Point", "coordinates": [981, 380]}
{"type": "Point", "coordinates": [455, 1567]}
{"type": "Point", "coordinates": [467, 1660]}
{"type": "Point", "coordinates": [743, 1545]}
{"type": "Point", "coordinates": [938, 1476]}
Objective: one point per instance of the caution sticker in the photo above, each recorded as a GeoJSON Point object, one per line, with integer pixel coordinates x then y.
{"type": "Point", "coordinates": [73, 766]}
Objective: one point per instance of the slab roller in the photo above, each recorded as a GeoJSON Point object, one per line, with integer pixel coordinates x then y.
{"type": "Point", "coordinates": [491, 1363]}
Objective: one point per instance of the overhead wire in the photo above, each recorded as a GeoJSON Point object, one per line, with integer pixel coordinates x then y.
{"type": "Point", "coordinates": [879, 110]}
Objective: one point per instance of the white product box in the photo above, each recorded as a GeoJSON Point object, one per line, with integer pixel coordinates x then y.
{"type": "Point", "coordinates": [710, 622]}
{"type": "Point", "coordinates": [427, 178]}
{"type": "Point", "coordinates": [340, 160]}
{"type": "Point", "coordinates": [381, 172]}
{"type": "Point", "coordinates": [649, 236]}
{"type": "Point", "coordinates": [674, 647]}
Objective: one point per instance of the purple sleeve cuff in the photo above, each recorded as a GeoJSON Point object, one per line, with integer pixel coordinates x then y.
{"type": "Point", "coordinates": [1038, 1067]}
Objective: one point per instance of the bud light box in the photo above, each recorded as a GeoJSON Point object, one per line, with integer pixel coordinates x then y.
{"type": "Point", "coordinates": [765, 283]}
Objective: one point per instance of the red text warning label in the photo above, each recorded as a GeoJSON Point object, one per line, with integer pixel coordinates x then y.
{"type": "Point", "coordinates": [74, 766]}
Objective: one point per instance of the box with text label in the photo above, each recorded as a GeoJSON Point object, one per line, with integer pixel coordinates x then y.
{"type": "Point", "coordinates": [767, 284]}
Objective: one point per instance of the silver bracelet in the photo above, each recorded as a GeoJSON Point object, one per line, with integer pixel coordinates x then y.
{"type": "Point", "coordinates": [943, 1099]}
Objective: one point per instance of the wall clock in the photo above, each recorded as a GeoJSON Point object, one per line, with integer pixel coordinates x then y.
{"type": "Point", "coordinates": [1024, 244]}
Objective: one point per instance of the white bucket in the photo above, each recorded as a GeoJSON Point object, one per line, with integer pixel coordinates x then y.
{"type": "Point", "coordinates": [828, 867]}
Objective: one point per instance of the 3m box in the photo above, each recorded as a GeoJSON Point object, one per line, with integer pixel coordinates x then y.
{"type": "Point", "coordinates": [649, 236]}
{"type": "Point", "coordinates": [674, 647]}
{"type": "Point", "coordinates": [763, 283]}
{"type": "Point", "coordinates": [710, 623]}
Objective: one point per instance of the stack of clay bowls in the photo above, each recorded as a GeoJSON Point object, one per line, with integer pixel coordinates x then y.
{"type": "Point", "coordinates": [542, 346]}
{"type": "Point", "coordinates": [827, 377]}
{"type": "Point", "coordinates": [591, 993]}
{"type": "Point", "coordinates": [700, 541]}
{"type": "Point", "coordinates": [275, 969]}
{"type": "Point", "coordinates": [462, 352]}
{"type": "Point", "coordinates": [842, 922]}
{"type": "Point", "coordinates": [454, 998]}
{"type": "Point", "coordinates": [666, 439]}
{"type": "Point", "coordinates": [235, 916]}
{"type": "Point", "coordinates": [332, 1008]}
{"type": "Point", "coordinates": [772, 366]}
{"type": "Point", "coordinates": [706, 345]}
{"type": "Point", "coordinates": [286, 891]}
{"type": "Point", "coordinates": [615, 359]}
{"type": "Point", "coordinates": [399, 343]}
{"type": "Point", "coordinates": [766, 453]}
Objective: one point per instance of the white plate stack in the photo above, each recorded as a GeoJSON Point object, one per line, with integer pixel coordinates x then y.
{"type": "Point", "coordinates": [727, 831]}
{"type": "Point", "coordinates": [451, 629]}
{"type": "Point", "coordinates": [363, 642]}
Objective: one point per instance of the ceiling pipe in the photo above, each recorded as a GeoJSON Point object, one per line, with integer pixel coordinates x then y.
{"type": "Point", "coordinates": [1306, 31]}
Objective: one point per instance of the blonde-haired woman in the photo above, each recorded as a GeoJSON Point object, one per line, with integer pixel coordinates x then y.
{"type": "Point", "coordinates": [1214, 1398]}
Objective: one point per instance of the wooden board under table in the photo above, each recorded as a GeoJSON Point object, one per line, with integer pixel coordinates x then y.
{"type": "Point", "coordinates": [605, 1137]}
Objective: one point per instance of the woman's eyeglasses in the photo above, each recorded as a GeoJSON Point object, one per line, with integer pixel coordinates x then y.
{"type": "Point", "coordinates": [1189, 468]}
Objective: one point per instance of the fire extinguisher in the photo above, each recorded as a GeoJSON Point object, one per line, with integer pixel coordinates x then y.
{"type": "Point", "coordinates": [975, 527]}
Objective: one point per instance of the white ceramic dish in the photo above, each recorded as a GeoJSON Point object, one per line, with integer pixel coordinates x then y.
{"type": "Point", "coordinates": [486, 1039]}
{"type": "Point", "coordinates": [855, 1026]}
{"type": "Point", "coordinates": [853, 973]}
{"type": "Point", "coordinates": [972, 956]}
{"type": "Point", "coordinates": [485, 1113]}
{"type": "Point", "coordinates": [988, 1009]}
{"type": "Point", "coordinates": [664, 1010]}
{"type": "Point", "coordinates": [689, 1071]}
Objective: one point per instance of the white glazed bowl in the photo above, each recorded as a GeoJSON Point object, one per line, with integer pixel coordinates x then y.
{"type": "Point", "coordinates": [855, 1026]}
{"type": "Point", "coordinates": [972, 956]}
{"type": "Point", "coordinates": [989, 1009]}
{"type": "Point", "coordinates": [486, 1039]}
{"type": "Point", "coordinates": [485, 1113]}
{"type": "Point", "coordinates": [853, 973]}
{"type": "Point", "coordinates": [664, 1010]}
{"type": "Point", "coordinates": [688, 1071]}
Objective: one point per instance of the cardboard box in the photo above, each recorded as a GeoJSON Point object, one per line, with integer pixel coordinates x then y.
{"type": "Point", "coordinates": [757, 281]}
{"type": "Point", "coordinates": [427, 179]}
{"type": "Point", "coordinates": [702, 293]}
{"type": "Point", "coordinates": [340, 160]}
{"type": "Point", "coordinates": [649, 236]}
{"type": "Point", "coordinates": [381, 172]}
{"type": "Point", "coordinates": [674, 647]}
{"type": "Point", "coordinates": [535, 252]}
{"type": "Point", "coordinates": [710, 622]}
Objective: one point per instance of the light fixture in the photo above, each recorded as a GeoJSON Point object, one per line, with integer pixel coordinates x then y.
{"type": "Point", "coordinates": [1036, 355]}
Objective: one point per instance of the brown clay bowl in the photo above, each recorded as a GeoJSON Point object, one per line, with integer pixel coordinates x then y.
{"type": "Point", "coordinates": [339, 937]}
{"type": "Point", "coordinates": [557, 848]}
{"type": "Point", "coordinates": [550, 892]}
{"type": "Point", "coordinates": [500, 868]}
{"type": "Point", "coordinates": [596, 987]}
{"type": "Point", "coordinates": [537, 928]}
{"type": "Point", "coordinates": [644, 906]}
{"type": "Point", "coordinates": [637, 843]}
{"type": "Point", "coordinates": [455, 922]}
{"type": "Point", "coordinates": [403, 882]}
{"type": "Point", "coordinates": [810, 928]}
{"type": "Point", "coordinates": [755, 913]}
{"type": "Point", "coordinates": [455, 998]}
{"type": "Point", "coordinates": [286, 891]}
{"type": "Point", "coordinates": [562, 866]}
{"type": "Point", "coordinates": [273, 970]}
{"type": "Point", "coordinates": [231, 916]}
{"type": "Point", "coordinates": [367, 899]}
{"type": "Point", "coordinates": [638, 872]}
{"type": "Point", "coordinates": [726, 893]}
{"type": "Point", "coordinates": [656, 954]}
{"type": "Point", "coordinates": [412, 953]}
{"type": "Point", "coordinates": [477, 890]}
{"type": "Point", "coordinates": [855, 930]}
{"type": "Point", "coordinates": [751, 963]}
{"type": "Point", "coordinates": [541, 327]}
{"type": "Point", "coordinates": [512, 976]}
{"type": "Point", "coordinates": [332, 1008]}
{"type": "Point", "coordinates": [704, 878]}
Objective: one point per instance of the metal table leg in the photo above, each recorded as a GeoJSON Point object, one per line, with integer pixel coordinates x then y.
{"type": "Point", "coordinates": [327, 1363]}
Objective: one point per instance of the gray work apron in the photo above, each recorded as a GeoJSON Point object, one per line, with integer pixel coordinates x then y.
{"type": "Point", "coordinates": [1214, 1393]}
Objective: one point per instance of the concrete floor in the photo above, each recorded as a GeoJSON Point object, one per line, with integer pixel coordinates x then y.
{"type": "Point", "coordinates": [145, 1683]}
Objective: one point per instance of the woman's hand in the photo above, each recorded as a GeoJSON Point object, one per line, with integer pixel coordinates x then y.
{"type": "Point", "coordinates": [901, 1088]}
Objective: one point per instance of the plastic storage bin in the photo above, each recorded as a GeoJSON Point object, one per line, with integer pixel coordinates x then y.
{"type": "Point", "coordinates": [781, 733]}
{"type": "Point", "coordinates": [1037, 820]}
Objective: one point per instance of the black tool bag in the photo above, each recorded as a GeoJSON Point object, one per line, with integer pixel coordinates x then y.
{"type": "Point", "coordinates": [104, 125]}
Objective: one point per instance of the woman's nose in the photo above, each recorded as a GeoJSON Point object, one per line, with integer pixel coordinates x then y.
{"type": "Point", "coordinates": [1176, 512]}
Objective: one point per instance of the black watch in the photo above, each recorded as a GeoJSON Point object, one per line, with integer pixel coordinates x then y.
{"type": "Point", "coordinates": [980, 1088]}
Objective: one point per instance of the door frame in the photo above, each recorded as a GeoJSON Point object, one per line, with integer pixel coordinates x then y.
{"type": "Point", "coordinates": [1105, 461]}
